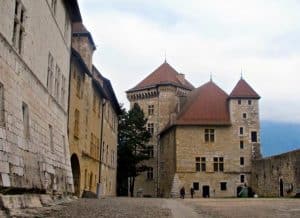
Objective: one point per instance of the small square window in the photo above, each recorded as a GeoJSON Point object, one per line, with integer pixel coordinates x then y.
{"type": "Point", "coordinates": [241, 144]}
{"type": "Point", "coordinates": [254, 136]}
{"type": "Point", "coordinates": [241, 130]}
{"type": "Point", "coordinates": [196, 186]}
{"type": "Point", "coordinates": [242, 161]}
{"type": "Point", "coordinates": [223, 186]}
{"type": "Point", "coordinates": [249, 102]}
{"type": "Point", "coordinates": [239, 101]}
{"type": "Point", "coordinates": [244, 115]}
{"type": "Point", "coordinates": [198, 159]}
{"type": "Point", "coordinates": [242, 178]}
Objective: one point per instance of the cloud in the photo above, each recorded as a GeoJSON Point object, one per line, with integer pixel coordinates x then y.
{"type": "Point", "coordinates": [200, 37]}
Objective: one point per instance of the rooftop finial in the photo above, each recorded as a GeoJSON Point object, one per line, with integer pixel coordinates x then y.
{"type": "Point", "coordinates": [211, 76]}
{"type": "Point", "coordinates": [241, 73]}
{"type": "Point", "coordinates": [165, 56]}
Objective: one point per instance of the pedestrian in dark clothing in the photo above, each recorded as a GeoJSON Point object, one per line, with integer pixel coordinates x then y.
{"type": "Point", "coordinates": [192, 192]}
{"type": "Point", "coordinates": [182, 192]}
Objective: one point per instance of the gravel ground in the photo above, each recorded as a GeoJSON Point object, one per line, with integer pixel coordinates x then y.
{"type": "Point", "coordinates": [247, 207]}
{"type": "Point", "coordinates": [166, 208]}
{"type": "Point", "coordinates": [112, 207]}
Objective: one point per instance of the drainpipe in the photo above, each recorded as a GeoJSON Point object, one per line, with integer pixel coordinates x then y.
{"type": "Point", "coordinates": [100, 150]}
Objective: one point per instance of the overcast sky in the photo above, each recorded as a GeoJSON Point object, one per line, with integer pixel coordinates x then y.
{"type": "Point", "coordinates": [261, 37]}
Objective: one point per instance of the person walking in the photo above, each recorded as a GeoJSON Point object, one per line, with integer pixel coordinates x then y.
{"type": "Point", "coordinates": [192, 192]}
{"type": "Point", "coordinates": [182, 192]}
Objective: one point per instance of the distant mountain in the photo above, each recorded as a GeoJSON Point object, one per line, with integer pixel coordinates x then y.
{"type": "Point", "coordinates": [279, 137]}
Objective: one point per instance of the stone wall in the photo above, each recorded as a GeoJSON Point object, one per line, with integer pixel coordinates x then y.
{"type": "Point", "coordinates": [109, 151]}
{"type": "Point", "coordinates": [189, 144]}
{"type": "Point", "coordinates": [277, 175]}
{"type": "Point", "coordinates": [165, 100]}
{"type": "Point", "coordinates": [32, 156]}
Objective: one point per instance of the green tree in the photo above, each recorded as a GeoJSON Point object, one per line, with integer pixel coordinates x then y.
{"type": "Point", "coordinates": [132, 147]}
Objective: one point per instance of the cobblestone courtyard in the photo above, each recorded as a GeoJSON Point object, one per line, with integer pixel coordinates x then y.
{"type": "Point", "coordinates": [177, 208]}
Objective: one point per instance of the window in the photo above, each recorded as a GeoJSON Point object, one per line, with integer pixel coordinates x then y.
{"type": "Point", "coordinates": [63, 90]}
{"type": "Point", "coordinates": [241, 130]}
{"type": "Point", "coordinates": [209, 135]}
{"type": "Point", "coordinates": [196, 186]}
{"type": "Point", "coordinates": [25, 113]}
{"type": "Point", "coordinates": [249, 102]}
{"type": "Point", "coordinates": [241, 144]}
{"type": "Point", "coordinates": [150, 173]}
{"type": "Point", "coordinates": [150, 109]}
{"type": "Point", "coordinates": [106, 159]}
{"type": "Point", "coordinates": [64, 146]}
{"type": "Point", "coordinates": [50, 73]}
{"type": "Point", "coordinates": [2, 116]}
{"type": "Point", "coordinates": [242, 178]}
{"type": "Point", "coordinates": [242, 161]}
{"type": "Point", "coordinates": [223, 186]}
{"type": "Point", "coordinates": [18, 30]}
{"type": "Point", "coordinates": [57, 82]}
{"type": "Point", "coordinates": [151, 128]}
{"type": "Point", "coordinates": [239, 101]}
{"type": "Point", "coordinates": [254, 136]}
{"type": "Point", "coordinates": [150, 151]}
{"type": "Point", "coordinates": [76, 124]}
{"type": "Point", "coordinates": [200, 164]}
{"type": "Point", "coordinates": [51, 138]}
{"type": "Point", "coordinates": [66, 26]}
{"type": "Point", "coordinates": [53, 6]}
{"type": "Point", "coordinates": [244, 115]}
{"type": "Point", "coordinates": [218, 164]}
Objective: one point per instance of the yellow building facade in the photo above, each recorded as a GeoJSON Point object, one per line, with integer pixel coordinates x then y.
{"type": "Point", "coordinates": [91, 95]}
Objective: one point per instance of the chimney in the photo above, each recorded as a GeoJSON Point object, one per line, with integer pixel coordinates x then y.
{"type": "Point", "coordinates": [181, 77]}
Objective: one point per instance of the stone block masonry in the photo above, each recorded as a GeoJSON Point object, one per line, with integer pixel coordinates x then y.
{"type": "Point", "coordinates": [277, 176]}
{"type": "Point", "coordinates": [34, 153]}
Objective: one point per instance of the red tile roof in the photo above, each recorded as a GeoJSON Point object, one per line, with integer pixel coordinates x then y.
{"type": "Point", "coordinates": [164, 74]}
{"type": "Point", "coordinates": [206, 105]}
{"type": "Point", "coordinates": [78, 29]}
{"type": "Point", "coordinates": [243, 90]}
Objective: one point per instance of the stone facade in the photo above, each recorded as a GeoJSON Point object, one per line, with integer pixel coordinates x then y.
{"type": "Point", "coordinates": [277, 176]}
{"type": "Point", "coordinates": [93, 120]}
{"type": "Point", "coordinates": [183, 147]}
{"type": "Point", "coordinates": [34, 152]}
{"type": "Point", "coordinates": [165, 101]}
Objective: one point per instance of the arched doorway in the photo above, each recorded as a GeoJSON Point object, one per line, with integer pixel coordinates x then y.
{"type": "Point", "coordinates": [76, 173]}
{"type": "Point", "coordinates": [280, 188]}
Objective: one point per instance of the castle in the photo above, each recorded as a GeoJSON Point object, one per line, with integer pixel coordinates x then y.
{"type": "Point", "coordinates": [201, 137]}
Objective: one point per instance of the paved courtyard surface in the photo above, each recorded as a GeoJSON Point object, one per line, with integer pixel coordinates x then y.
{"type": "Point", "coordinates": [176, 208]}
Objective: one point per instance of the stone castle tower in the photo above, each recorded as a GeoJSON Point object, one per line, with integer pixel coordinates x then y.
{"type": "Point", "coordinates": [159, 95]}
{"type": "Point", "coordinates": [244, 116]}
